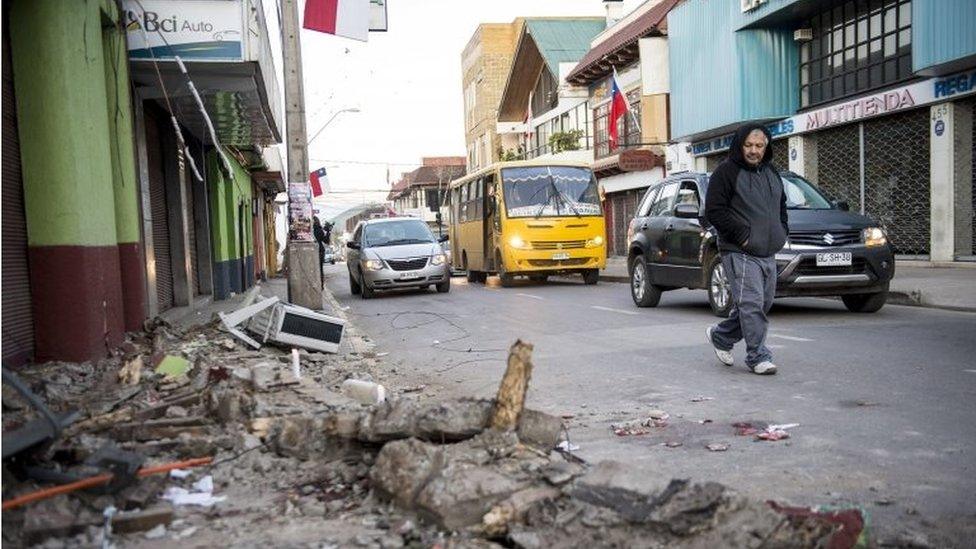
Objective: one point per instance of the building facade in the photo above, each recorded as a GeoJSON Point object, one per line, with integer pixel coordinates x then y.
{"type": "Point", "coordinates": [540, 114]}
{"type": "Point", "coordinates": [635, 48]}
{"type": "Point", "coordinates": [420, 192]}
{"type": "Point", "coordinates": [485, 63]}
{"type": "Point", "coordinates": [872, 100]}
{"type": "Point", "coordinates": [117, 205]}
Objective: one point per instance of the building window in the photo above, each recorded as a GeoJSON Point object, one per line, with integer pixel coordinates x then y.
{"type": "Point", "coordinates": [857, 46]}
{"type": "Point", "coordinates": [627, 129]}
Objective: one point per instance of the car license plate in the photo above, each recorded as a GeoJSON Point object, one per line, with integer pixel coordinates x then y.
{"type": "Point", "coordinates": [410, 274]}
{"type": "Point", "coordinates": [833, 259]}
{"type": "Point", "coordinates": [560, 256]}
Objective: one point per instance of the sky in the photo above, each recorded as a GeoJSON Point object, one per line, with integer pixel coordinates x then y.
{"type": "Point", "coordinates": [406, 84]}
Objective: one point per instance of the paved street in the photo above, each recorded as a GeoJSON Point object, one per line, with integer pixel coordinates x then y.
{"type": "Point", "coordinates": [885, 402]}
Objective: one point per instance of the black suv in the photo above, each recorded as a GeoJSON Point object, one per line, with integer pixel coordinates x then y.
{"type": "Point", "coordinates": [830, 251]}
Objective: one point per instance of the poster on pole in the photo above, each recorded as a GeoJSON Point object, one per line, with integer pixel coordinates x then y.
{"type": "Point", "coordinates": [377, 16]}
{"type": "Point", "coordinates": [300, 211]}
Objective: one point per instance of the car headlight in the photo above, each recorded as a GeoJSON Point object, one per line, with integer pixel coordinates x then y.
{"type": "Point", "coordinates": [438, 259]}
{"type": "Point", "coordinates": [517, 242]}
{"type": "Point", "coordinates": [594, 242]}
{"type": "Point", "coordinates": [873, 236]}
{"type": "Point", "coordinates": [373, 265]}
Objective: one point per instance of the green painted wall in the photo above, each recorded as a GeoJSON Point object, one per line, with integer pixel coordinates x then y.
{"type": "Point", "coordinates": [121, 136]}
{"type": "Point", "coordinates": [62, 109]}
{"type": "Point", "coordinates": [226, 195]}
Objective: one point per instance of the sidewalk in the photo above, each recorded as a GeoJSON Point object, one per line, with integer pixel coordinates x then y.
{"type": "Point", "coordinates": [949, 286]}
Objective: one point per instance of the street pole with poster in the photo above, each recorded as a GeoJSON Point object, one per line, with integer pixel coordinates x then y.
{"type": "Point", "coordinates": [304, 271]}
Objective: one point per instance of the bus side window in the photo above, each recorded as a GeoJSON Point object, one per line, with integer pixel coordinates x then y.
{"type": "Point", "coordinates": [479, 205]}
{"type": "Point", "coordinates": [463, 203]}
{"type": "Point", "coordinates": [469, 205]}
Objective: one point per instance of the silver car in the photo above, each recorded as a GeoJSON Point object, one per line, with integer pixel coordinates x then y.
{"type": "Point", "coordinates": [396, 252]}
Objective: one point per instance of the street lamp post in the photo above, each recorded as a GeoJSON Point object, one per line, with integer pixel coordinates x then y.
{"type": "Point", "coordinates": [329, 121]}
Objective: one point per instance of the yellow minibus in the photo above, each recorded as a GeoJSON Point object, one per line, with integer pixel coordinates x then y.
{"type": "Point", "coordinates": [531, 218]}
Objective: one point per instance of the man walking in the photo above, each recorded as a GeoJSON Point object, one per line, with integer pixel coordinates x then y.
{"type": "Point", "coordinates": [747, 206]}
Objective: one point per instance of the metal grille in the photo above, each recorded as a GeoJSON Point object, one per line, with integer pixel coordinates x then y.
{"type": "Point", "coordinates": [624, 206]}
{"type": "Point", "coordinates": [897, 178]}
{"type": "Point", "coordinates": [838, 166]}
{"type": "Point", "coordinates": [160, 218]}
{"type": "Point", "coordinates": [557, 244]}
{"type": "Point", "coordinates": [572, 262]}
{"type": "Point", "coordinates": [972, 221]}
{"type": "Point", "coordinates": [896, 174]}
{"type": "Point", "coordinates": [407, 264]}
{"type": "Point", "coordinates": [18, 319]}
{"type": "Point", "coordinates": [820, 238]}
{"type": "Point", "coordinates": [781, 154]}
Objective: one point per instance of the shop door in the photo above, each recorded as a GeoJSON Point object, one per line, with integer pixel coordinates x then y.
{"type": "Point", "coordinates": [896, 186]}
{"type": "Point", "coordinates": [160, 219]}
{"type": "Point", "coordinates": [18, 320]}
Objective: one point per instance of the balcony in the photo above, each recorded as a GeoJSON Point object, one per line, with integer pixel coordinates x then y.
{"type": "Point", "coordinates": [226, 48]}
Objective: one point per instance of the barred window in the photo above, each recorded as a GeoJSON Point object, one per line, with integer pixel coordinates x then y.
{"type": "Point", "coordinates": [857, 46]}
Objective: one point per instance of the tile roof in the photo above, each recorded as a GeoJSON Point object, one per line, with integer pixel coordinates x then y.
{"type": "Point", "coordinates": [653, 22]}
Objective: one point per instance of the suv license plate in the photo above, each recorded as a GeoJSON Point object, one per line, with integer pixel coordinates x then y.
{"type": "Point", "coordinates": [410, 274]}
{"type": "Point", "coordinates": [833, 259]}
{"type": "Point", "coordinates": [560, 256]}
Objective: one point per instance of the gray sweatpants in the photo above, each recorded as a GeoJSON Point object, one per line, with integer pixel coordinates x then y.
{"type": "Point", "coordinates": [753, 284]}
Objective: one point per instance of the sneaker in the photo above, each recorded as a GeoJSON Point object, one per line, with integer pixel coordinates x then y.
{"type": "Point", "coordinates": [764, 368]}
{"type": "Point", "coordinates": [725, 357]}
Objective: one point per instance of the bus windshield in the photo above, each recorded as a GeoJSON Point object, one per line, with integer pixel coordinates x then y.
{"type": "Point", "coordinates": [541, 191]}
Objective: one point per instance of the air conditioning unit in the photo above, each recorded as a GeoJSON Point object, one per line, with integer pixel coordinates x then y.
{"type": "Point", "coordinates": [296, 326]}
{"type": "Point", "coordinates": [803, 35]}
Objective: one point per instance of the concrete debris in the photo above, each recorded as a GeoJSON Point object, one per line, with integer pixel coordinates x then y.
{"type": "Point", "coordinates": [365, 392]}
{"type": "Point", "coordinates": [329, 450]}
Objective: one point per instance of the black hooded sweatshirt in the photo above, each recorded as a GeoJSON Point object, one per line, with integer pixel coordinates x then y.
{"type": "Point", "coordinates": [746, 204]}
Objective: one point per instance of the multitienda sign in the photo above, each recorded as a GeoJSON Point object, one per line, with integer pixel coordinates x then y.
{"type": "Point", "coordinates": [870, 106]}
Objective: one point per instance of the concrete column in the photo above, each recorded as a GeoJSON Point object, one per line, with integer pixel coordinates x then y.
{"type": "Point", "coordinates": [803, 156]}
{"type": "Point", "coordinates": [66, 160]}
{"type": "Point", "coordinates": [950, 132]}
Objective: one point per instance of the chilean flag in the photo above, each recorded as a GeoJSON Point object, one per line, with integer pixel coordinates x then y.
{"type": "Point", "coordinates": [618, 107]}
{"type": "Point", "coordinates": [315, 178]}
{"type": "Point", "coordinates": [349, 18]}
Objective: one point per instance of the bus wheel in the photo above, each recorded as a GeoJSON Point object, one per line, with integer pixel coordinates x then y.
{"type": "Point", "coordinates": [591, 276]}
{"type": "Point", "coordinates": [472, 276]}
{"type": "Point", "coordinates": [507, 279]}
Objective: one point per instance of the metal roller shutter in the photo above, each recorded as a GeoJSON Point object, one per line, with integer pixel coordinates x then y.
{"type": "Point", "coordinates": [194, 275]}
{"type": "Point", "coordinates": [18, 319]}
{"type": "Point", "coordinates": [781, 154]}
{"type": "Point", "coordinates": [897, 179]}
{"type": "Point", "coordinates": [160, 221]}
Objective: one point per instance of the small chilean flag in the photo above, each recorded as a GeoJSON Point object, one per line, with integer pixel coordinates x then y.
{"type": "Point", "coordinates": [349, 18]}
{"type": "Point", "coordinates": [618, 107]}
{"type": "Point", "coordinates": [315, 178]}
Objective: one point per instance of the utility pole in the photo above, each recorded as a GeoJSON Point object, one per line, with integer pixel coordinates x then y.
{"type": "Point", "coordinates": [304, 270]}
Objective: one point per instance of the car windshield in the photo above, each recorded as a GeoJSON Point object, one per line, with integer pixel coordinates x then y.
{"type": "Point", "coordinates": [391, 233]}
{"type": "Point", "coordinates": [802, 195]}
{"type": "Point", "coordinates": [550, 191]}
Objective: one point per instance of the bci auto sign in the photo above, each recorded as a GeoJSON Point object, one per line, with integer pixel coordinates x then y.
{"type": "Point", "coordinates": [192, 29]}
{"type": "Point", "coordinates": [914, 95]}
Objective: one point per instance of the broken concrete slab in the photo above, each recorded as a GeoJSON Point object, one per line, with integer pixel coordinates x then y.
{"type": "Point", "coordinates": [614, 485]}
{"type": "Point", "coordinates": [539, 429]}
{"type": "Point", "coordinates": [513, 509]}
{"type": "Point", "coordinates": [459, 496]}
{"type": "Point", "coordinates": [403, 468]}
{"type": "Point", "coordinates": [140, 521]}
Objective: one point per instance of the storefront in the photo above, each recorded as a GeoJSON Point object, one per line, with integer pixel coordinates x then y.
{"type": "Point", "coordinates": [860, 97]}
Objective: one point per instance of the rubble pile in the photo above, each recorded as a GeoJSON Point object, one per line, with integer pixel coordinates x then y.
{"type": "Point", "coordinates": [289, 460]}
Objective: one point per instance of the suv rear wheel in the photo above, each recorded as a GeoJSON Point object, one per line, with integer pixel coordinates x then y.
{"type": "Point", "coordinates": [644, 293]}
{"type": "Point", "coordinates": [719, 289]}
{"type": "Point", "coordinates": [865, 303]}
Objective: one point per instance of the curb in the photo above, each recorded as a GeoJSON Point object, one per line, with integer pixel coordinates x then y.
{"type": "Point", "coordinates": [911, 299]}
